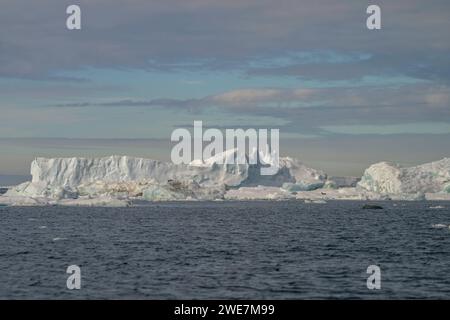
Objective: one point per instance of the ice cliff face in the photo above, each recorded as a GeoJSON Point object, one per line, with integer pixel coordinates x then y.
{"type": "Point", "coordinates": [384, 177]}
{"type": "Point", "coordinates": [72, 172]}
{"type": "Point", "coordinates": [122, 176]}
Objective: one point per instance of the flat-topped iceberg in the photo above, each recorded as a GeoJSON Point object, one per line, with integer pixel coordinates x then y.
{"type": "Point", "coordinates": [120, 180]}
{"type": "Point", "coordinates": [123, 177]}
{"type": "Point", "coordinates": [73, 172]}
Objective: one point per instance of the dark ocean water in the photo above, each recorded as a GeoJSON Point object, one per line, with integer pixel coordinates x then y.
{"type": "Point", "coordinates": [215, 250]}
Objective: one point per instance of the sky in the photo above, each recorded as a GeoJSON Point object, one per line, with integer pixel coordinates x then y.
{"type": "Point", "coordinates": [343, 96]}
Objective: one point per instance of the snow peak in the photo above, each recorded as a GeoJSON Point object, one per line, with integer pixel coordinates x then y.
{"type": "Point", "coordinates": [187, 310]}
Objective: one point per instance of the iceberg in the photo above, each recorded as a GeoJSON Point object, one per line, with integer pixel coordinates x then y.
{"type": "Point", "coordinates": [258, 193]}
{"type": "Point", "coordinates": [438, 226]}
{"type": "Point", "coordinates": [302, 186]}
{"type": "Point", "coordinates": [389, 178]}
{"type": "Point", "coordinates": [120, 180]}
{"type": "Point", "coordinates": [123, 177]}
{"type": "Point", "coordinates": [73, 172]}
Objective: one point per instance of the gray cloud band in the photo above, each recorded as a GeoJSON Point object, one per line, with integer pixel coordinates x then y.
{"type": "Point", "coordinates": [190, 35]}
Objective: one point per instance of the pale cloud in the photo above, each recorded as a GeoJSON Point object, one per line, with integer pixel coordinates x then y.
{"type": "Point", "coordinates": [406, 128]}
{"type": "Point", "coordinates": [252, 96]}
{"type": "Point", "coordinates": [371, 97]}
{"type": "Point", "coordinates": [439, 98]}
{"type": "Point", "coordinates": [245, 96]}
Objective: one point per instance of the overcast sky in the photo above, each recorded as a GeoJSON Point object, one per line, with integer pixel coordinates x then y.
{"type": "Point", "coordinates": [342, 96]}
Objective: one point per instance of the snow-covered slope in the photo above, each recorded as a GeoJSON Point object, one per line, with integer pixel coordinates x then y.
{"type": "Point", "coordinates": [385, 177]}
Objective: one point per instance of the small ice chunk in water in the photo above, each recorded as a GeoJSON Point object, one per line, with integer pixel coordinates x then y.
{"type": "Point", "coordinates": [439, 225]}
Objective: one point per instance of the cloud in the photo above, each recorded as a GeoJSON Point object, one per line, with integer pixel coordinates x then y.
{"type": "Point", "coordinates": [313, 110]}
{"type": "Point", "coordinates": [252, 96]}
{"type": "Point", "coordinates": [329, 39]}
{"type": "Point", "coordinates": [406, 128]}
